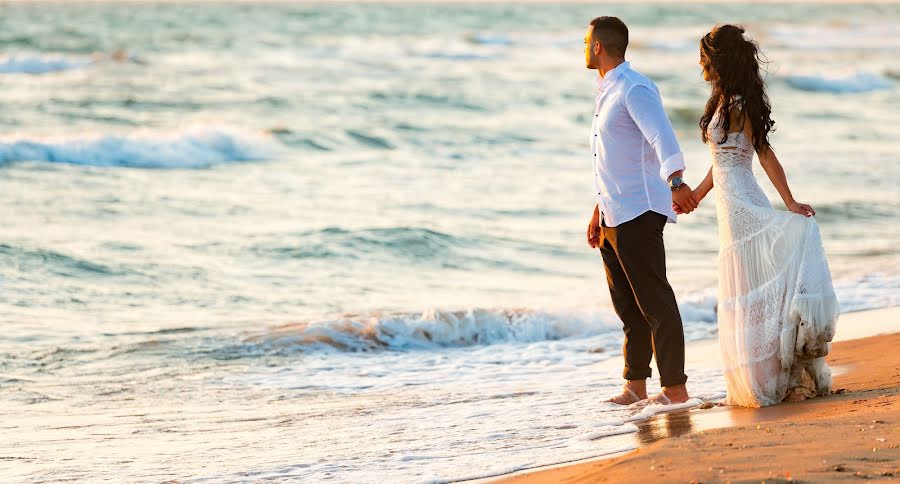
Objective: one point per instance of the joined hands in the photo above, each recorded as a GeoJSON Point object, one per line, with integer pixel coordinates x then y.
{"type": "Point", "coordinates": [685, 200]}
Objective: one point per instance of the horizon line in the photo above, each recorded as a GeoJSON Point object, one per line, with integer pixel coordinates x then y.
{"type": "Point", "coordinates": [459, 2]}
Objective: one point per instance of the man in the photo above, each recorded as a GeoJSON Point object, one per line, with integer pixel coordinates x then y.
{"type": "Point", "coordinates": [637, 174]}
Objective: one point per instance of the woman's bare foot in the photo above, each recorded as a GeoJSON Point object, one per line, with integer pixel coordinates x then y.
{"type": "Point", "coordinates": [803, 385]}
{"type": "Point", "coordinates": [796, 395]}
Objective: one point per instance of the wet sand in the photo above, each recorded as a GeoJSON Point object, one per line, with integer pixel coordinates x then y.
{"type": "Point", "coordinates": [852, 434]}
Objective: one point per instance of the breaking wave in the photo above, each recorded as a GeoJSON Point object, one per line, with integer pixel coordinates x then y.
{"type": "Point", "coordinates": [191, 149]}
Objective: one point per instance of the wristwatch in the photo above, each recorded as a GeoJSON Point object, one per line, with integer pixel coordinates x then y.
{"type": "Point", "coordinates": [676, 183]}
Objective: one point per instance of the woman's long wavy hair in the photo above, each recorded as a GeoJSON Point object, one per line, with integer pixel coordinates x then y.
{"type": "Point", "coordinates": [734, 65]}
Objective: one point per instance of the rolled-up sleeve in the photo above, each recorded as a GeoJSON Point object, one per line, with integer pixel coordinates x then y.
{"type": "Point", "coordinates": [646, 109]}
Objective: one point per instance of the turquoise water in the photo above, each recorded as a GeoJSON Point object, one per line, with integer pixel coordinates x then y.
{"type": "Point", "coordinates": [285, 236]}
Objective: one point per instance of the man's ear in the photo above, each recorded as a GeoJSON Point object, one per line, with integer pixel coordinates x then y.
{"type": "Point", "coordinates": [597, 47]}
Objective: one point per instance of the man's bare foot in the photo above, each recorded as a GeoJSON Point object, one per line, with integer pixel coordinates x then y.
{"type": "Point", "coordinates": [670, 395]}
{"type": "Point", "coordinates": [632, 392]}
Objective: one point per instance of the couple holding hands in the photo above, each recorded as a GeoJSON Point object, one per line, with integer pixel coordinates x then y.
{"type": "Point", "coordinates": [776, 305]}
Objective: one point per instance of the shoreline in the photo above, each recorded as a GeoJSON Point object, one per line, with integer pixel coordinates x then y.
{"type": "Point", "coordinates": [822, 440]}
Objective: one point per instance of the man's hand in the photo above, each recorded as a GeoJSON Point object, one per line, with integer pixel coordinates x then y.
{"type": "Point", "coordinates": [593, 230]}
{"type": "Point", "coordinates": [684, 200]}
{"type": "Point", "coordinates": [698, 197]}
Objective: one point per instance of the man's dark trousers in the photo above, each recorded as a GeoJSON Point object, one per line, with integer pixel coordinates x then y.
{"type": "Point", "coordinates": [635, 259]}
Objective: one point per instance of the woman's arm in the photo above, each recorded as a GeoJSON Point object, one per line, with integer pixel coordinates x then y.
{"type": "Point", "coordinates": [698, 193]}
{"type": "Point", "coordinates": [705, 186]}
{"type": "Point", "coordinates": [775, 171]}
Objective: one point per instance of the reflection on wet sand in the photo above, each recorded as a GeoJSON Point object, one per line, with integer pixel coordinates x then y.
{"type": "Point", "coordinates": [672, 424]}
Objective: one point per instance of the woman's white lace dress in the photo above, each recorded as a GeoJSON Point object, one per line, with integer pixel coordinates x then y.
{"type": "Point", "coordinates": [777, 309]}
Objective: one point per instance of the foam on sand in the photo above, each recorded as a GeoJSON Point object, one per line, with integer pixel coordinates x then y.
{"type": "Point", "coordinates": [656, 408]}
{"type": "Point", "coordinates": [608, 430]}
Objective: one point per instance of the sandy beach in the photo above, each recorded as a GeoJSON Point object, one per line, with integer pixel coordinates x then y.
{"type": "Point", "coordinates": [853, 434]}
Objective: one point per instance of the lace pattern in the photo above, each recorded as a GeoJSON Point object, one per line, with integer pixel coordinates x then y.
{"type": "Point", "coordinates": [777, 309]}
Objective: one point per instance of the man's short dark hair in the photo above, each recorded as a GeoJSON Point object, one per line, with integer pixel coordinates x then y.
{"type": "Point", "coordinates": [612, 33]}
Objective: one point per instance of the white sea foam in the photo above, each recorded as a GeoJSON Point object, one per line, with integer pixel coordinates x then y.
{"type": "Point", "coordinates": [501, 407]}
{"type": "Point", "coordinates": [194, 148]}
{"type": "Point", "coordinates": [840, 84]}
{"type": "Point", "coordinates": [435, 329]}
{"type": "Point", "coordinates": [439, 329]}
{"type": "Point", "coordinates": [608, 430]}
{"type": "Point", "coordinates": [590, 330]}
{"type": "Point", "coordinates": [872, 291]}
{"type": "Point", "coordinates": [654, 409]}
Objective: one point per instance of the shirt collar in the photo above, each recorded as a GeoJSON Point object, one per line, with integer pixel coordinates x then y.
{"type": "Point", "coordinates": [604, 81]}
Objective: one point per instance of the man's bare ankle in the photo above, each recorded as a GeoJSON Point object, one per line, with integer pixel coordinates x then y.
{"type": "Point", "coordinates": [676, 393]}
{"type": "Point", "coordinates": [639, 387]}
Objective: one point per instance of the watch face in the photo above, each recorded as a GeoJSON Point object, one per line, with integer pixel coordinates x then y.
{"type": "Point", "coordinates": [677, 181]}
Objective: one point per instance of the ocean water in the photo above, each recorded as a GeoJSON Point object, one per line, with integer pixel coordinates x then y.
{"type": "Point", "coordinates": [345, 242]}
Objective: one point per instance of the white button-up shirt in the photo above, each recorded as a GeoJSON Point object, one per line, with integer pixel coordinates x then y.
{"type": "Point", "coordinates": [634, 148]}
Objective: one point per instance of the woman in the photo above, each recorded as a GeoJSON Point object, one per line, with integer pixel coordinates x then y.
{"type": "Point", "coordinates": [777, 309]}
